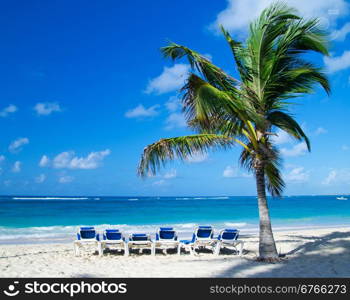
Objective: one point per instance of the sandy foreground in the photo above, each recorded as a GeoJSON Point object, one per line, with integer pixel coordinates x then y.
{"type": "Point", "coordinates": [308, 253]}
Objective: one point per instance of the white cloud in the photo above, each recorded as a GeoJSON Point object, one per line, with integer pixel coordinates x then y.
{"type": "Point", "coordinates": [338, 63]}
{"type": "Point", "coordinates": [341, 34]}
{"type": "Point", "coordinates": [140, 111]}
{"type": "Point", "coordinates": [2, 158]}
{"type": "Point", "coordinates": [297, 150]}
{"type": "Point", "coordinates": [171, 174]}
{"type": "Point", "coordinates": [345, 147]}
{"type": "Point", "coordinates": [159, 182]}
{"type": "Point", "coordinates": [282, 137]}
{"type": "Point", "coordinates": [197, 157]}
{"type": "Point", "coordinates": [40, 179]}
{"type": "Point", "coordinates": [297, 175]}
{"type": "Point", "coordinates": [47, 108]}
{"type": "Point", "coordinates": [320, 130]}
{"type": "Point", "coordinates": [16, 167]}
{"type": "Point", "coordinates": [70, 161]}
{"type": "Point", "coordinates": [8, 110]}
{"type": "Point", "coordinates": [175, 120]}
{"type": "Point", "coordinates": [173, 104]}
{"type": "Point", "coordinates": [44, 161]}
{"type": "Point", "coordinates": [239, 13]}
{"type": "Point", "coordinates": [170, 80]}
{"type": "Point", "coordinates": [231, 172]}
{"type": "Point", "coordinates": [16, 145]}
{"type": "Point", "coordinates": [335, 177]}
{"type": "Point", "coordinates": [65, 179]}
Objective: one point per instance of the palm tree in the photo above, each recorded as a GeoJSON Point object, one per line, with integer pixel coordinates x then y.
{"type": "Point", "coordinates": [225, 112]}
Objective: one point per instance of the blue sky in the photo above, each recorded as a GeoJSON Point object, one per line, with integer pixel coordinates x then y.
{"type": "Point", "coordinates": [84, 88]}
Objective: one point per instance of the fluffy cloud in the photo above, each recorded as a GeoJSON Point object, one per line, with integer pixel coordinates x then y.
{"type": "Point", "coordinates": [341, 34]}
{"type": "Point", "coordinates": [281, 137]}
{"type": "Point", "coordinates": [175, 120]}
{"type": "Point", "coordinates": [320, 130]}
{"type": "Point", "coordinates": [173, 104]}
{"type": "Point", "coordinates": [159, 182]}
{"type": "Point", "coordinates": [44, 161]}
{"type": "Point", "coordinates": [345, 147]}
{"type": "Point", "coordinates": [297, 150]}
{"type": "Point", "coordinates": [40, 179]}
{"type": "Point", "coordinates": [171, 174]}
{"type": "Point", "coordinates": [16, 167]}
{"type": "Point", "coordinates": [170, 80]}
{"type": "Point", "coordinates": [239, 13]}
{"type": "Point", "coordinates": [335, 177]}
{"type": "Point", "coordinates": [197, 157]}
{"type": "Point", "coordinates": [68, 160]}
{"type": "Point", "coordinates": [297, 175]}
{"type": "Point", "coordinates": [2, 158]}
{"type": "Point", "coordinates": [16, 145]}
{"type": "Point", "coordinates": [46, 108]}
{"type": "Point", "coordinates": [8, 110]}
{"type": "Point", "coordinates": [338, 63]}
{"type": "Point", "coordinates": [141, 112]}
{"type": "Point", "coordinates": [65, 179]}
{"type": "Point", "coordinates": [231, 172]}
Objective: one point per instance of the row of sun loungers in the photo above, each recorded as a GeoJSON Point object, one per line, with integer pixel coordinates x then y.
{"type": "Point", "coordinates": [166, 238]}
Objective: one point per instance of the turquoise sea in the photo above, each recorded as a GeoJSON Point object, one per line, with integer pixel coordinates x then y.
{"type": "Point", "coordinates": [47, 219]}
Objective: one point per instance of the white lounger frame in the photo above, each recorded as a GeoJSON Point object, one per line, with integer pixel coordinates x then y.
{"type": "Point", "coordinates": [165, 244]}
{"type": "Point", "coordinates": [82, 242]}
{"type": "Point", "coordinates": [141, 245]}
{"type": "Point", "coordinates": [224, 243]}
{"type": "Point", "coordinates": [116, 244]}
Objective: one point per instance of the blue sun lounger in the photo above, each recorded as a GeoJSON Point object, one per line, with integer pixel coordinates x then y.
{"type": "Point", "coordinates": [113, 238]}
{"type": "Point", "coordinates": [86, 236]}
{"type": "Point", "coordinates": [203, 237]}
{"type": "Point", "coordinates": [141, 241]}
{"type": "Point", "coordinates": [229, 238]}
{"type": "Point", "coordinates": [166, 238]}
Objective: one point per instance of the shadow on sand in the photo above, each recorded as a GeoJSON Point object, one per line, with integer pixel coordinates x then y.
{"type": "Point", "coordinates": [311, 259]}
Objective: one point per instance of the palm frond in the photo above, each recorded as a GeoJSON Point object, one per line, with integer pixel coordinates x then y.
{"type": "Point", "coordinates": [288, 124]}
{"type": "Point", "coordinates": [157, 154]}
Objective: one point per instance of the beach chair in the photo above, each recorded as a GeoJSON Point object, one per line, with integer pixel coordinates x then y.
{"type": "Point", "coordinates": [141, 241]}
{"type": "Point", "coordinates": [113, 238]}
{"type": "Point", "coordinates": [203, 237]}
{"type": "Point", "coordinates": [228, 238]}
{"type": "Point", "coordinates": [86, 236]}
{"type": "Point", "coordinates": [166, 238]}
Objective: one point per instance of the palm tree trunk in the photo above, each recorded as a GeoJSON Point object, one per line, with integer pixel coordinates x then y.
{"type": "Point", "coordinates": [267, 246]}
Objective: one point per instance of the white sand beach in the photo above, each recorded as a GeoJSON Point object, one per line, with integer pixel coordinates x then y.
{"type": "Point", "coordinates": [308, 253]}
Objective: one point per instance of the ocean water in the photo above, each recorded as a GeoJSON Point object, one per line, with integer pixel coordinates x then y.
{"type": "Point", "coordinates": [52, 219]}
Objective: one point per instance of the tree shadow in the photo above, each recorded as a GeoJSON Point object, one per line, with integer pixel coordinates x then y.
{"type": "Point", "coordinates": [323, 256]}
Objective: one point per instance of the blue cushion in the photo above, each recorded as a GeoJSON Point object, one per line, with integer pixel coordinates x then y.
{"type": "Point", "coordinates": [88, 234]}
{"type": "Point", "coordinates": [204, 233]}
{"type": "Point", "coordinates": [113, 235]}
{"type": "Point", "coordinates": [166, 228]}
{"type": "Point", "coordinates": [139, 237]}
{"type": "Point", "coordinates": [112, 230]}
{"type": "Point", "coordinates": [186, 242]}
{"type": "Point", "coordinates": [229, 234]}
{"type": "Point", "coordinates": [167, 235]}
{"type": "Point", "coordinates": [87, 228]}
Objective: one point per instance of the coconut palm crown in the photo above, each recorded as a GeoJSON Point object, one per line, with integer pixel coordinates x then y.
{"type": "Point", "coordinates": [224, 111]}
